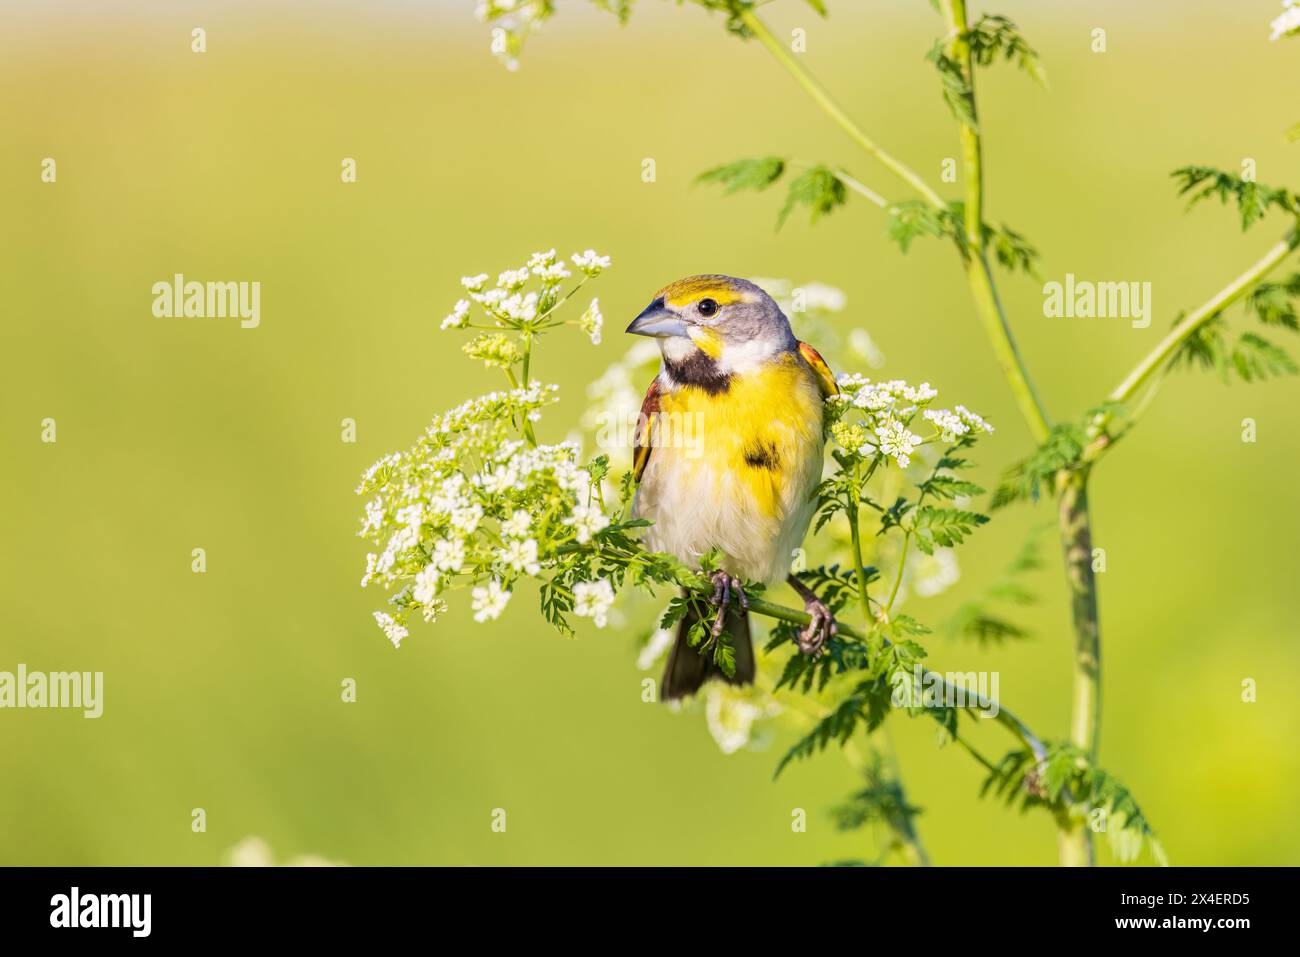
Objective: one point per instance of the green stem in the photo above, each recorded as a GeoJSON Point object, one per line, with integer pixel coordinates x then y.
{"type": "Point", "coordinates": [833, 109]}
{"type": "Point", "coordinates": [979, 274]}
{"type": "Point", "coordinates": [855, 534]}
{"type": "Point", "coordinates": [845, 177]}
{"type": "Point", "coordinates": [1154, 364]}
{"type": "Point", "coordinates": [514, 384]}
{"type": "Point", "coordinates": [972, 151]}
{"type": "Point", "coordinates": [1203, 314]}
{"type": "Point", "coordinates": [1075, 840]}
{"type": "Point", "coordinates": [898, 576]}
{"type": "Point", "coordinates": [859, 188]}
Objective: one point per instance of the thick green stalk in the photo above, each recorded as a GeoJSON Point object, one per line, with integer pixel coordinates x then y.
{"type": "Point", "coordinates": [1085, 722]}
{"type": "Point", "coordinates": [979, 275]}
{"type": "Point", "coordinates": [1074, 840]}
{"type": "Point", "coordinates": [992, 315]}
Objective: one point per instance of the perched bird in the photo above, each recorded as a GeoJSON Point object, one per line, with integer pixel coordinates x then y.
{"type": "Point", "coordinates": [736, 380]}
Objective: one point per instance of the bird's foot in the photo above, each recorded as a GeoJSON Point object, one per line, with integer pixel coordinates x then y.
{"type": "Point", "coordinates": [725, 587]}
{"type": "Point", "coordinates": [819, 630]}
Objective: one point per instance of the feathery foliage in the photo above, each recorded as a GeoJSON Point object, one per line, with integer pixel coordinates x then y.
{"type": "Point", "coordinates": [992, 36]}
{"type": "Point", "coordinates": [1253, 200]}
{"type": "Point", "coordinates": [1215, 346]}
{"type": "Point", "coordinates": [1067, 782]}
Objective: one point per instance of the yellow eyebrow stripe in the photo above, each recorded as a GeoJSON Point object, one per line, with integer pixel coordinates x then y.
{"type": "Point", "coordinates": [685, 291]}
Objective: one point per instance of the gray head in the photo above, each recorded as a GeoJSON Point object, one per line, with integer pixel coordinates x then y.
{"type": "Point", "coordinates": [729, 320]}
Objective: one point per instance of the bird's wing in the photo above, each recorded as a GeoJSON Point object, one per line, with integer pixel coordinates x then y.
{"type": "Point", "coordinates": [825, 377]}
{"type": "Point", "coordinates": [641, 445]}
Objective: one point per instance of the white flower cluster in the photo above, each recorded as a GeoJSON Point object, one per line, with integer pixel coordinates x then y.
{"type": "Point", "coordinates": [476, 503]}
{"type": "Point", "coordinates": [593, 600]}
{"type": "Point", "coordinates": [471, 505]}
{"type": "Point", "coordinates": [510, 304]}
{"type": "Point", "coordinates": [887, 410]}
{"type": "Point", "coordinates": [590, 262]}
{"type": "Point", "coordinates": [1288, 24]}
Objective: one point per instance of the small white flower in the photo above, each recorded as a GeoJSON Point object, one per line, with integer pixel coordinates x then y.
{"type": "Point", "coordinates": [654, 649]}
{"type": "Point", "coordinates": [434, 609]}
{"type": "Point", "coordinates": [501, 478]}
{"type": "Point", "coordinates": [949, 424]}
{"type": "Point", "coordinates": [521, 556]}
{"type": "Point", "coordinates": [552, 273]}
{"type": "Point", "coordinates": [426, 585]}
{"type": "Point", "coordinates": [459, 317]}
{"type": "Point", "coordinates": [411, 516]}
{"type": "Point", "coordinates": [935, 573]}
{"type": "Point", "coordinates": [591, 263]}
{"type": "Point", "coordinates": [521, 308]}
{"type": "Point", "coordinates": [586, 520]}
{"type": "Point", "coordinates": [513, 279]}
{"type": "Point", "coordinates": [591, 321]}
{"type": "Point", "coordinates": [922, 393]}
{"type": "Point", "coordinates": [872, 399]}
{"type": "Point", "coordinates": [1288, 22]}
{"type": "Point", "coordinates": [466, 518]}
{"type": "Point", "coordinates": [374, 516]}
{"type": "Point", "coordinates": [896, 440]}
{"type": "Point", "coordinates": [593, 600]}
{"type": "Point", "coordinates": [971, 419]}
{"type": "Point", "coordinates": [474, 283]}
{"type": "Point", "coordinates": [730, 717]}
{"type": "Point", "coordinates": [448, 555]}
{"type": "Point", "coordinates": [488, 603]}
{"type": "Point", "coordinates": [517, 525]}
{"type": "Point", "coordinates": [392, 628]}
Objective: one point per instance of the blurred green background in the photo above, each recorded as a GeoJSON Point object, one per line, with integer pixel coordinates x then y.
{"type": "Point", "coordinates": [222, 690]}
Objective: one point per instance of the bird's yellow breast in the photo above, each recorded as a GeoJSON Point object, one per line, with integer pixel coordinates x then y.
{"type": "Point", "coordinates": [760, 434]}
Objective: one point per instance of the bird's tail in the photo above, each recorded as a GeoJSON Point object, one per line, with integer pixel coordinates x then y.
{"type": "Point", "coordinates": [688, 669]}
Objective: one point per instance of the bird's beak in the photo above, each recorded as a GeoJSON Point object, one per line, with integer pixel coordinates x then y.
{"type": "Point", "coordinates": [658, 321]}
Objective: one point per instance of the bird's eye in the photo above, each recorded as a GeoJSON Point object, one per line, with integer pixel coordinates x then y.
{"type": "Point", "coordinates": [707, 307]}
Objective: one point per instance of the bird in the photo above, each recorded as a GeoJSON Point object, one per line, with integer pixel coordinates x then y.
{"type": "Point", "coordinates": [734, 375]}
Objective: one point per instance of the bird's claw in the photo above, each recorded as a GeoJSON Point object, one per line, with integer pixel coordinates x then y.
{"type": "Point", "coordinates": [819, 630]}
{"type": "Point", "coordinates": [724, 587]}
